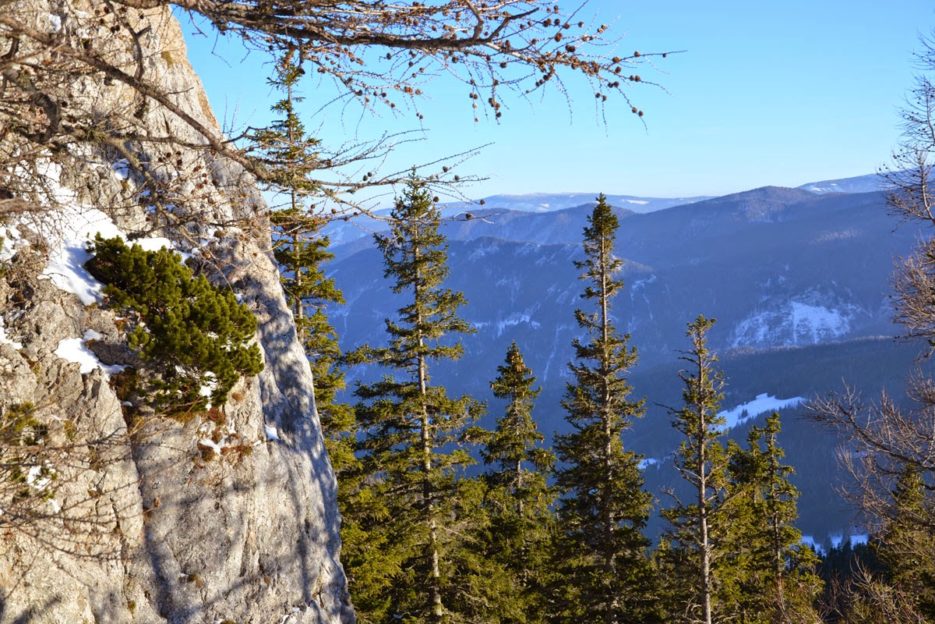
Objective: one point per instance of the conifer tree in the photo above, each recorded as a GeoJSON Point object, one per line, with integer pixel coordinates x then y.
{"type": "Point", "coordinates": [300, 250]}
{"type": "Point", "coordinates": [194, 339]}
{"type": "Point", "coordinates": [766, 574]}
{"type": "Point", "coordinates": [701, 461]}
{"type": "Point", "coordinates": [906, 545]}
{"type": "Point", "coordinates": [407, 566]}
{"type": "Point", "coordinates": [607, 576]}
{"type": "Point", "coordinates": [284, 150]}
{"type": "Point", "coordinates": [519, 498]}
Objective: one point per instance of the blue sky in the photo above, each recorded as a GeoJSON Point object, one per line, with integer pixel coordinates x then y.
{"type": "Point", "coordinates": [766, 93]}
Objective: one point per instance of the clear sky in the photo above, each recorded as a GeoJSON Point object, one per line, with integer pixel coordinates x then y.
{"type": "Point", "coordinates": [778, 93]}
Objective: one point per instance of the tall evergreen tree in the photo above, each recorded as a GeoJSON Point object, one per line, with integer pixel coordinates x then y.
{"type": "Point", "coordinates": [301, 250]}
{"type": "Point", "coordinates": [766, 574]}
{"type": "Point", "coordinates": [906, 546]}
{"type": "Point", "coordinates": [607, 576]}
{"type": "Point", "coordinates": [702, 462]}
{"type": "Point", "coordinates": [519, 499]}
{"type": "Point", "coordinates": [412, 438]}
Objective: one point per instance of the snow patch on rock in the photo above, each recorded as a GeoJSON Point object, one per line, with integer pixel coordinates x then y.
{"type": "Point", "coordinates": [218, 441]}
{"type": "Point", "coordinates": [272, 433]}
{"type": "Point", "coordinates": [39, 477]}
{"type": "Point", "coordinates": [75, 350]}
{"type": "Point", "coordinates": [69, 232]}
{"type": "Point", "coordinates": [10, 242]}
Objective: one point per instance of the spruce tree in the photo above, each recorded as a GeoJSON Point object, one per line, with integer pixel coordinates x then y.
{"type": "Point", "coordinates": [284, 150]}
{"type": "Point", "coordinates": [701, 461]}
{"type": "Point", "coordinates": [606, 573]}
{"type": "Point", "coordinates": [906, 546]}
{"type": "Point", "coordinates": [518, 498]}
{"type": "Point", "coordinates": [766, 574]}
{"type": "Point", "coordinates": [301, 250]}
{"type": "Point", "coordinates": [412, 438]}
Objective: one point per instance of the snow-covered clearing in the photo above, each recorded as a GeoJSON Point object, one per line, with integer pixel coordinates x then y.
{"type": "Point", "coordinates": [808, 540]}
{"type": "Point", "coordinates": [763, 403]}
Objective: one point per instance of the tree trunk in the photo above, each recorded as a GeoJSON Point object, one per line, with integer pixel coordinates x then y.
{"type": "Point", "coordinates": [779, 562]}
{"type": "Point", "coordinates": [427, 489]}
{"type": "Point", "coordinates": [607, 485]}
{"type": "Point", "coordinates": [703, 504]}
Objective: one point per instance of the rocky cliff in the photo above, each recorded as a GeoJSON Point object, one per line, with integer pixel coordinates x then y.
{"type": "Point", "coordinates": [229, 516]}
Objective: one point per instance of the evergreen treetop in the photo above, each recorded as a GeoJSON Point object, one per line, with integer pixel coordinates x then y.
{"type": "Point", "coordinates": [905, 546]}
{"type": "Point", "coordinates": [415, 255]}
{"type": "Point", "coordinates": [765, 573]}
{"type": "Point", "coordinates": [518, 499]}
{"type": "Point", "coordinates": [603, 510]}
{"type": "Point", "coordinates": [701, 461]}
{"type": "Point", "coordinates": [284, 151]}
{"type": "Point", "coordinates": [516, 440]}
{"type": "Point", "coordinates": [412, 442]}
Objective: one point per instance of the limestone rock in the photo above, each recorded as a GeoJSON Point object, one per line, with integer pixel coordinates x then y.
{"type": "Point", "coordinates": [143, 522]}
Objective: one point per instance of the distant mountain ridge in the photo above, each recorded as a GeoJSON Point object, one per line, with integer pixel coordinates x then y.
{"type": "Point", "coordinates": [779, 267]}
{"type": "Point", "coordinates": [858, 184]}
{"type": "Point", "coordinates": [344, 232]}
{"type": "Point", "coordinates": [550, 202]}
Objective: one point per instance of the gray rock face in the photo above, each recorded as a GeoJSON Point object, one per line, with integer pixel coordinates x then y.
{"type": "Point", "coordinates": [229, 518]}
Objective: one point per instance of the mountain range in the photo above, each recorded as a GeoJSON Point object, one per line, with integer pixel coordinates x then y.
{"type": "Point", "coordinates": [798, 280]}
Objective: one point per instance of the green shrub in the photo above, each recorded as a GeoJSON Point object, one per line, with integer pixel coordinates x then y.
{"type": "Point", "coordinates": [193, 337]}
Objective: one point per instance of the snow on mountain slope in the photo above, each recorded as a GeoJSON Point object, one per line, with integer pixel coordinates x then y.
{"type": "Point", "coordinates": [795, 322]}
{"type": "Point", "coordinates": [858, 184]}
{"type": "Point", "coordinates": [764, 402]}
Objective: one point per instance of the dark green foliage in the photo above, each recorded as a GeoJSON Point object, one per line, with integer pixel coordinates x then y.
{"type": "Point", "coordinates": [407, 551]}
{"type": "Point", "coordinates": [842, 570]}
{"type": "Point", "coordinates": [696, 534]}
{"type": "Point", "coordinates": [518, 498]}
{"type": "Point", "coordinates": [839, 563]}
{"type": "Point", "coordinates": [606, 575]}
{"type": "Point", "coordinates": [906, 546]}
{"type": "Point", "coordinates": [764, 573]}
{"type": "Point", "coordinates": [478, 585]}
{"type": "Point", "coordinates": [190, 334]}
